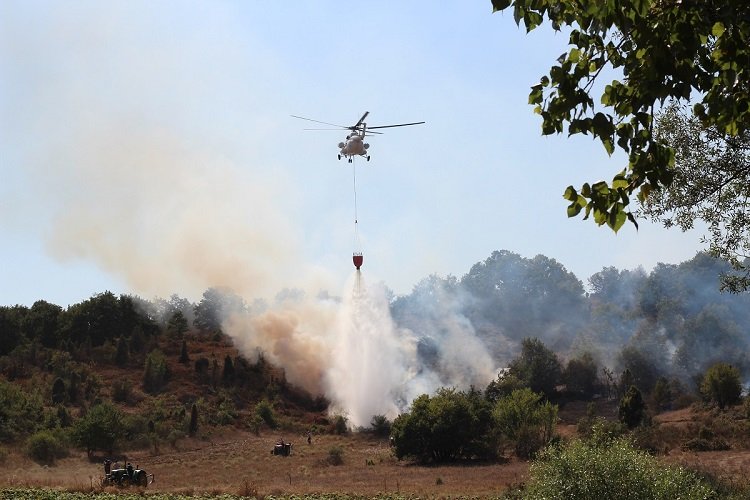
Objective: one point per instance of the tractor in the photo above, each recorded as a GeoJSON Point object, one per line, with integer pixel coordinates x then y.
{"type": "Point", "coordinates": [283, 449]}
{"type": "Point", "coordinates": [128, 476]}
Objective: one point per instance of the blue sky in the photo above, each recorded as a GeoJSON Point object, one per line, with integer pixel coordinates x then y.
{"type": "Point", "coordinates": [148, 148]}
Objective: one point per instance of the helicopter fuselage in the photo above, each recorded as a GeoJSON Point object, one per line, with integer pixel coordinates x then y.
{"type": "Point", "coordinates": [354, 146]}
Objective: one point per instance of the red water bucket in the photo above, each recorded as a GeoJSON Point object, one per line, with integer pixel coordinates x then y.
{"type": "Point", "coordinates": [357, 258]}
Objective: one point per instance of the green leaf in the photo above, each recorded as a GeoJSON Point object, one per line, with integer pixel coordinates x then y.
{"type": "Point", "coordinates": [620, 181]}
{"type": "Point", "coordinates": [718, 29]}
{"type": "Point", "coordinates": [570, 194]}
{"type": "Point", "coordinates": [608, 145]}
{"type": "Point", "coordinates": [601, 188]}
{"type": "Point", "coordinates": [617, 218]}
{"type": "Point", "coordinates": [500, 5]}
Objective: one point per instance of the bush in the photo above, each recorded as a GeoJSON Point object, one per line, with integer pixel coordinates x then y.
{"type": "Point", "coordinates": [339, 425]}
{"type": "Point", "coordinates": [336, 456]}
{"type": "Point", "coordinates": [524, 418]}
{"type": "Point", "coordinates": [613, 470]}
{"type": "Point", "coordinates": [44, 447]}
{"type": "Point", "coordinates": [632, 409]}
{"type": "Point", "coordinates": [155, 372]}
{"type": "Point", "coordinates": [265, 412]}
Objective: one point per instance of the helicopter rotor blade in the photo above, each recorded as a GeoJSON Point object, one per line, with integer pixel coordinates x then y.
{"type": "Point", "coordinates": [318, 121]}
{"type": "Point", "coordinates": [356, 125]}
{"type": "Point", "coordinates": [398, 125]}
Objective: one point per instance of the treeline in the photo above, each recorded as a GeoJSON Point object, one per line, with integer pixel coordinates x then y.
{"type": "Point", "coordinates": [672, 322]}
{"type": "Point", "coordinates": [518, 411]}
{"type": "Point", "coordinates": [68, 373]}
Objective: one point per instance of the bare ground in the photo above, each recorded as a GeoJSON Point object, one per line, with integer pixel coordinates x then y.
{"type": "Point", "coordinates": [242, 463]}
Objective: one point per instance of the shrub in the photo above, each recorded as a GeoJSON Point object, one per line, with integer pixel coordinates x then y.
{"type": "Point", "coordinates": [613, 470]}
{"type": "Point", "coordinates": [336, 456]}
{"type": "Point", "coordinates": [632, 409]}
{"type": "Point", "coordinates": [340, 424]}
{"type": "Point", "coordinates": [156, 372]}
{"type": "Point", "coordinates": [44, 447]}
{"type": "Point", "coordinates": [121, 391]}
{"type": "Point", "coordinates": [264, 411]}
{"type": "Point", "coordinates": [524, 418]}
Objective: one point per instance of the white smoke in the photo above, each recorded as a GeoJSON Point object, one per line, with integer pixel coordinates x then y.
{"type": "Point", "coordinates": [372, 362]}
{"type": "Point", "coordinates": [352, 352]}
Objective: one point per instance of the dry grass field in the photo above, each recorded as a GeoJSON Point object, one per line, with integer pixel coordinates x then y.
{"type": "Point", "coordinates": [238, 462]}
{"type": "Point", "coordinates": [242, 463]}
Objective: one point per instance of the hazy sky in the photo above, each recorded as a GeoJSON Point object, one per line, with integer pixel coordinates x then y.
{"type": "Point", "coordinates": [148, 148]}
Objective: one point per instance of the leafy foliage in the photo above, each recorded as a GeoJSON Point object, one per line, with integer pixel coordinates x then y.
{"type": "Point", "coordinates": [264, 410]}
{"type": "Point", "coordinates": [611, 469]}
{"type": "Point", "coordinates": [711, 178]}
{"type": "Point", "coordinates": [156, 371]}
{"type": "Point", "coordinates": [21, 412]}
{"type": "Point", "coordinates": [99, 429]}
{"type": "Point", "coordinates": [523, 417]}
{"type": "Point", "coordinates": [380, 425]}
{"type": "Point", "coordinates": [450, 425]}
{"type": "Point", "coordinates": [722, 384]}
{"type": "Point", "coordinates": [537, 367]}
{"type": "Point", "coordinates": [663, 50]}
{"type": "Point", "coordinates": [580, 376]}
{"type": "Point", "coordinates": [45, 447]}
{"type": "Point", "coordinates": [632, 410]}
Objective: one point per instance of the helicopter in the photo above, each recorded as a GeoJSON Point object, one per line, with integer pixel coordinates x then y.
{"type": "Point", "coordinates": [355, 144]}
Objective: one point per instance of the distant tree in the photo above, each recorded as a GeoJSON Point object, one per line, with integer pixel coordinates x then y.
{"type": "Point", "coordinates": [99, 429]}
{"type": "Point", "coordinates": [662, 394]}
{"type": "Point", "coordinates": [580, 376]}
{"type": "Point", "coordinates": [537, 367]}
{"type": "Point", "coordinates": [184, 358]}
{"type": "Point", "coordinates": [217, 304]}
{"type": "Point", "coordinates": [380, 425]}
{"type": "Point", "coordinates": [178, 324]}
{"type": "Point", "coordinates": [21, 411]}
{"type": "Point", "coordinates": [722, 384]}
{"type": "Point", "coordinates": [11, 331]}
{"type": "Point", "coordinates": [450, 425]}
{"type": "Point", "coordinates": [524, 297]}
{"type": "Point", "coordinates": [156, 372]}
{"type": "Point", "coordinates": [41, 323]}
{"type": "Point", "coordinates": [505, 383]}
{"type": "Point", "coordinates": [523, 417]}
{"type": "Point", "coordinates": [643, 368]}
{"type": "Point", "coordinates": [632, 409]}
